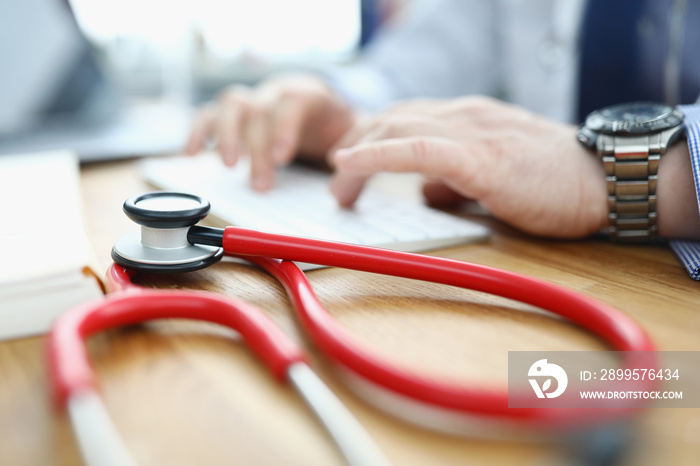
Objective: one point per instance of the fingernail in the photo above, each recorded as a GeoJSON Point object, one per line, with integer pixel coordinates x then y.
{"type": "Point", "coordinates": [342, 192]}
{"type": "Point", "coordinates": [191, 147]}
{"type": "Point", "coordinates": [279, 152]}
{"type": "Point", "coordinates": [341, 155]}
{"type": "Point", "coordinates": [230, 157]}
{"type": "Point", "coordinates": [261, 182]}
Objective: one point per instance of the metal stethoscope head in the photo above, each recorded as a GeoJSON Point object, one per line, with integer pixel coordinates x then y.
{"type": "Point", "coordinates": [162, 245]}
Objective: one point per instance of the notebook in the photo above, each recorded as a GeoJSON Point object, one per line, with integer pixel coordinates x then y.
{"type": "Point", "coordinates": [46, 263]}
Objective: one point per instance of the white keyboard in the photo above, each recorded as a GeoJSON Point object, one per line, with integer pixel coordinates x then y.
{"type": "Point", "coordinates": [300, 204]}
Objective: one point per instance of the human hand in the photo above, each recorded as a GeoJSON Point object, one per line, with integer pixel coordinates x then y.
{"type": "Point", "coordinates": [272, 123]}
{"type": "Point", "coordinates": [528, 171]}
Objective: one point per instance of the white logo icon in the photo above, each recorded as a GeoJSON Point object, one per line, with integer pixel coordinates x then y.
{"type": "Point", "coordinates": [542, 368]}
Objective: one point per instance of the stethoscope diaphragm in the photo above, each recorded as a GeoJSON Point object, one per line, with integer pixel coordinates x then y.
{"type": "Point", "coordinates": [162, 245]}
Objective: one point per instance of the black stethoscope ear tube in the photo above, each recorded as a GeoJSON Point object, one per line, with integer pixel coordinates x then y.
{"type": "Point", "coordinates": [206, 235]}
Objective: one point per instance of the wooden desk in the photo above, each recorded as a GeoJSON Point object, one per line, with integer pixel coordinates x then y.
{"type": "Point", "coordinates": [182, 393]}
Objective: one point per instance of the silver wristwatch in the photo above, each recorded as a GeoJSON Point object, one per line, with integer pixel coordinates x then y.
{"type": "Point", "coordinates": [630, 139]}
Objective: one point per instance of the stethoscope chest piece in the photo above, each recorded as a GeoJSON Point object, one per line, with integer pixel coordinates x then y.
{"type": "Point", "coordinates": [162, 245]}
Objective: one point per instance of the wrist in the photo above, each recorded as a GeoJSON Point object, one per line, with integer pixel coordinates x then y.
{"type": "Point", "coordinates": [676, 200]}
{"type": "Point", "coordinates": [600, 189]}
{"type": "Point", "coordinates": [677, 204]}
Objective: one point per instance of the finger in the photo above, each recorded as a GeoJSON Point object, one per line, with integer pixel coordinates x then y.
{"type": "Point", "coordinates": [434, 157]}
{"type": "Point", "coordinates": [202, 129]}
{"type": "Point", "coordinates": [287, 124]}
{"type": "Point", "coordinates": [257, 141]}
{"type": "Point", "coordinates": [389, 126]}
{"type": "Point", "coordinates": [234, 106]}
{"type": "Point", "coordinates": [346, 187]}
{"type": "Point", "coordinates": [358, 132]}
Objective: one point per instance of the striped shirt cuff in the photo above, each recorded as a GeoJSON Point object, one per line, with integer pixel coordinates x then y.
{"type": "Point", "coordinates": [688, 252]}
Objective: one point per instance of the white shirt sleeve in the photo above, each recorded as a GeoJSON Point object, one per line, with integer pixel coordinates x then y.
{"type": "Point", "coordinates": [451, 47]}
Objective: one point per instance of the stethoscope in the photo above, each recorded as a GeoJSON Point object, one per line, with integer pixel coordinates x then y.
{"type": "Point", "coordinates": [170, 241]}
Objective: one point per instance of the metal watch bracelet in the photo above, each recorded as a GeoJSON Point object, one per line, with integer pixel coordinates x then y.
{"type": "Point", "coordinates": [631, 167]}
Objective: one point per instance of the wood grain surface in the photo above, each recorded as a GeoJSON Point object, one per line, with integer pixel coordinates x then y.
{"type": "Point", "coordinates": [185, 393]}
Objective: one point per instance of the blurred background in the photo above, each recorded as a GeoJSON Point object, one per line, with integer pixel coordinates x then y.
{"type": "Point", "coordinates": [190, 49]}
{"type": "Point", "coordinates": [90, 75]}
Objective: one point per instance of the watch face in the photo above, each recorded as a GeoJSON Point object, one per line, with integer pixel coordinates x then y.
{"type": "Point", "coordinates": [635, 112]}
{"type": "Point", "coordinates": [636, 117]}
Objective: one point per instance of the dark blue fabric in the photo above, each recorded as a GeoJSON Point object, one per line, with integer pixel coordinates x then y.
{"type": "Point", "coordinates": [690, 77]}
{"type": "Point", "coordinates": [371, 17]}
{"type": "Point", "coordinates": [623, 49]}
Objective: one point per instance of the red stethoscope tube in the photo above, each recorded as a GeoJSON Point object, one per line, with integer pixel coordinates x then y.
{"type": "Point", "coordinates": [612, 326]}
{"type": "Point", "coordinates": [68, 361]}
{"type": "Point", "coordinates": [74, 386]}
{"type": "Point", "coordinates": [71, 370]}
